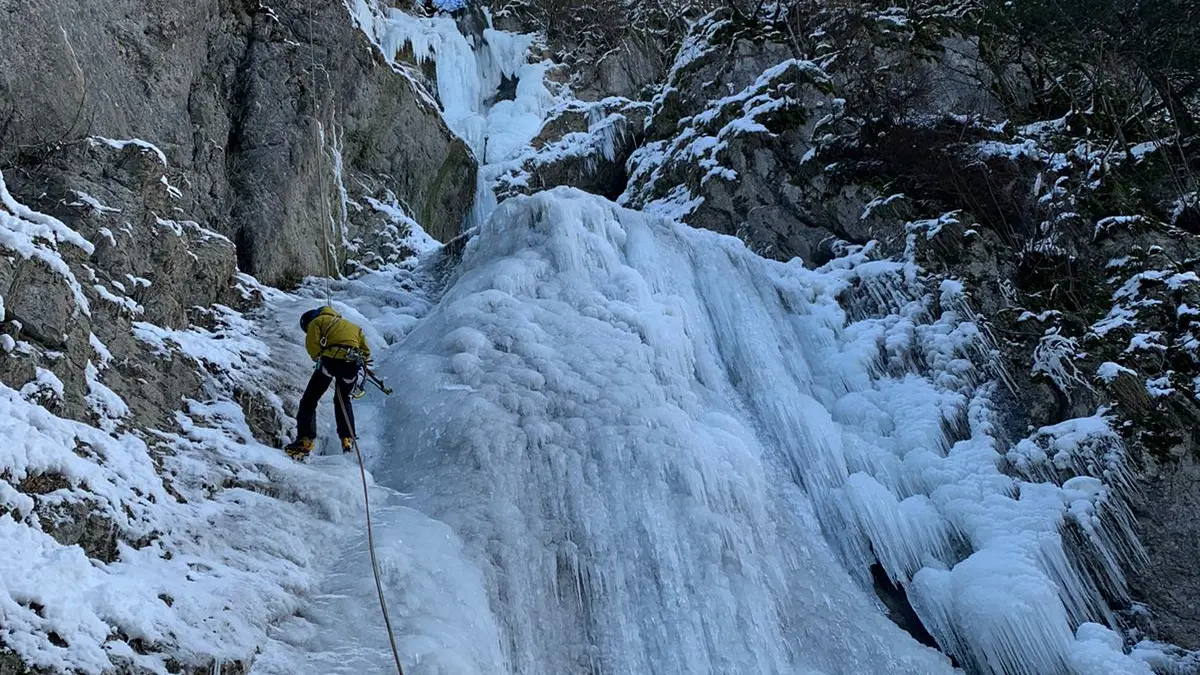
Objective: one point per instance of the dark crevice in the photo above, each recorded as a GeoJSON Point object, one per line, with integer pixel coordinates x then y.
{"type": "Point", "coordinates": [236, 144]}
{"type": "Point", "coordinates": [901, 612]}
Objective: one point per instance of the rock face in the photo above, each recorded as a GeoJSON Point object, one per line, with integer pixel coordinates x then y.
{"type": "Point", "coordinates": [632, 69]}
{"type": "Point", "coordinates": [721, 156]}
{"type": "Point", "coordinates": [138, 266]}
{"type": "Point", "coordinates": [265, 113]}
{"type": "Point", "coordinates": [1169, 585]}
{"type": "Point", "coordinates": [79, 304]}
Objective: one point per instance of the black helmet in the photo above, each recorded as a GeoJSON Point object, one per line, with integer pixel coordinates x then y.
{"type": "Point", "coordinates": [307, 318]}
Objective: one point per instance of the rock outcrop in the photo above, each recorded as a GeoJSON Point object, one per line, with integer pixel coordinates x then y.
{"type": "Point", "coordinates": [276, 118]}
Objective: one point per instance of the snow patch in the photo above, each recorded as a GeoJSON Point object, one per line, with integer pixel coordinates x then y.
{"type": "Point", "coordinates": [90, 202]}
{"type": "Point", "coordinates": [1109, 371]}
{"type": "Point", "coordinates": [108, 407]}
{"type": "Point", "coordinates": [118, 144]}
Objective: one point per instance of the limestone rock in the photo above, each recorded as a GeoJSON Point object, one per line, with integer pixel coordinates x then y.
{"type": "Point", "coordinates": [240, 115]}
{"type": "Point", "coordinates": [41, 300]}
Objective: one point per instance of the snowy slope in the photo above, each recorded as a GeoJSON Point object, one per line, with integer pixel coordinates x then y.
{"type": "Point", "coordinates": [435, 594]}
{"type": "Point", "coordinates": [213, 534]}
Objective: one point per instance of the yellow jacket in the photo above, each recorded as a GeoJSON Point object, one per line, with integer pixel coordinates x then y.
{"type": "Point", "coordinates": [332, 335]}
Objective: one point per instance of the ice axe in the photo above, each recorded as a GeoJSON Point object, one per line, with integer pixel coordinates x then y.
{"type": "Point", "coordinates": [377, 381]}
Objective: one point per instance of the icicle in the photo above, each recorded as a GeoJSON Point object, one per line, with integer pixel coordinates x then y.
{"type": "Point", "coordinates": [904, 535]}
{"type": "Point", "coordinates": [997, 609]}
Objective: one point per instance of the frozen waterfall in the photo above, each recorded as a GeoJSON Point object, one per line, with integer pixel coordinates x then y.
{"type": "Point", "coordinates": [590, 407]}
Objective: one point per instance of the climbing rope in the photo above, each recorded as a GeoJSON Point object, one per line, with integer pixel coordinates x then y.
{"type": "Point", "coordinates": [362, 472]}
{"type": "Point", "coordinates": [330, 270]}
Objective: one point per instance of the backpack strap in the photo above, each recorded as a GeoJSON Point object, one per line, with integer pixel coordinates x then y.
{"type": "Point", "coordinates": [325, 333]}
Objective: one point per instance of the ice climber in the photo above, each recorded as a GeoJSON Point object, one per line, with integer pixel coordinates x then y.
{"type": "Point", "coordinates": [341, 354]}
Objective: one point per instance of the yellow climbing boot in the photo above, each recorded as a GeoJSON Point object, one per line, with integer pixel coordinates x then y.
{"type": "Point", "coordinates": [347, 445]}
{"type": "Point", "coordinates": [299, 449]}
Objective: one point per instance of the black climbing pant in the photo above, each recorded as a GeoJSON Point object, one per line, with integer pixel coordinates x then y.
{"type": "Point", "coordinates": [345, 373]}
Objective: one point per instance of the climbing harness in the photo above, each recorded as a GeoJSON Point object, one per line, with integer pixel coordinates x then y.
{"type": "Point", "coordinates": [358, 390]}
{"type": "Point", "coordinates": [362, 376]}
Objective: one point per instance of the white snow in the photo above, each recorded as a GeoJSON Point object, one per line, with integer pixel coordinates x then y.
{"type": "Point", "coordinates": [172, 191]}
{"type": "Point", "coordinates": [676, 205]}
{"type": "Point", "coordinates": [88, 201]}
{"type": "Point", "coordinates": [104, 402]}
{"type": "Point", "coordinates": [1109, 371]}
{"type": "Point", "coordinates": [877, 202]}
{"type": "Point", "coordinates": [1025, 149]}
{"type": "Point", "coordinates": [1117, 317]}
{"type": "Point", "coordinates": [1151, 341]}
{"type": "Point", "coordinates": [1055, 357]}
{"type": "Point", "coordinates": [1140, 150]}
{"type": "Point", "coordinates": [120, 144]}
{"type": "Point", "coordinates": [401, 227]}
{"type": "Point", "coordinates": [44, 387]}
{"type": "Point", "coordinates": [607, 124]}
{"type": "Point", "coordinates": [1107, 223]}
{"type": "Point", "coordinates": [697, 43]}
{"type": "Point", "coordinates": [1040, 317]}
{"type": "Point", "coordinates": [1176, 282]}
{"type": "Point", "coordinates": [931, 227]}
{"type": "Point", "coordinates": [180, 228]}
{"type": "Point", "coordinates": [230, 348]}
{"type": "Point", "coordinates": [138, 281]}
{"type": "Point", "coordinates": [124, 301]}
{"type": "Point", "coordinates": [1190, 200]}
{"type": "Point", "coordinates": [1159, 386]}
{"type": "Point", "coordinates": [1095, 648]}
{"type": "Point", "coordinates": [174, 226]}
{"type": "Point", "coordinates": [62, 611]}
{"type": "Point", "coordinates": [706, 136]}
